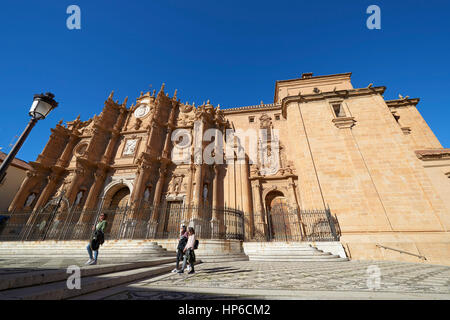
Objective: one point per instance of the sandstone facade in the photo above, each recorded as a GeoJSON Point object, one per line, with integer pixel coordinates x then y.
{"type": "Point", "coordinates": [374, 163]}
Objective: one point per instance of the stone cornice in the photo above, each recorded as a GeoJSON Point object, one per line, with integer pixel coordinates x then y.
{"type": "Point", "coordinates": [341, 94]}
{"type": "Point", "coordinates": [37, 166]}
{"type": "Point", "coordinates": [433, 154]}
{"type": "Point", "coordinates": [311, 79]}
{"type": "Point", "coordinates": [402, 103]}
{"type": "Point", "coordinates": [261, 107]}
{"type": "Point", "coordinates": [344, 122]}
{"type": "Point", "coordinates": [273, 177]}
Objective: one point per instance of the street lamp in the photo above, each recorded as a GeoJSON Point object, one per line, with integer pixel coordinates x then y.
{"type": "Point", "coordinates": [41, 107]}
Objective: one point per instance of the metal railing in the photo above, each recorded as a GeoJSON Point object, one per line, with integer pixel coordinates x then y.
{"type": "Point", "coordinates": [288, 224]}
{"type": "Point", "coordinates": [163, 222]}
{"type": "Point", "coordinates": [401, 251]}
{"type": "Point", "coordinates": [149, 222]}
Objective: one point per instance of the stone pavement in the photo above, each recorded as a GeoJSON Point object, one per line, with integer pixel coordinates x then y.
{"type": "Point", "coordinates": [24, 265]}
{"type": "Point", "coordinates": [292, 280]}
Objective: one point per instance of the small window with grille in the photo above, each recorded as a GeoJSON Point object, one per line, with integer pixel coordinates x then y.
{"type": "Point", "coordinates": [338, 110]}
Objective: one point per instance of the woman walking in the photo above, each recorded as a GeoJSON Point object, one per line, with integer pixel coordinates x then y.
{"type": "Point", "coordinates": [189, 251]}
{"type": "Point", "coordinates": [97, 240]}
{"type": "Point", "coordinates": [181, 244]}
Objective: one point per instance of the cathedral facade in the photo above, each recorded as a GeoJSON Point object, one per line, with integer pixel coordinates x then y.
{"type": "Point", "coordinates": [374, 164]}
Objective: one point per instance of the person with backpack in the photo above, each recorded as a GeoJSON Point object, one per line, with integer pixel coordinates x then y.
{"type": "Point", "coordinates": [188, 251]}
{"type": "Point", "coordinates": [181, 244]}
{"type": "Point", "coordinates": [97, 239]}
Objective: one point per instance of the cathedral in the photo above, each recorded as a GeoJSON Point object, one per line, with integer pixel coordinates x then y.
{"type": "Point", "coordinates": [372, 166]}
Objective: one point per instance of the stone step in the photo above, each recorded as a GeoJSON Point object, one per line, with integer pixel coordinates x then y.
{"type": "Point", "coordinates": [119, 257]}
{"type": "Point", "coordinates": [325, 255]}
{"type": "Point", "coordinates": [79, 249]}
{"type": "Point", "coordinates": [223, 258]}
{"type": "Point", "coordinates": [39, 277]}
{"type": "Point", "coordinates": [277, 244]}
{"type": "Point", "coordinates": [84, 253]}
{"type": "Point", "coordinates": [283, 250]}
{"type": "Point", "coordinates": [75, 243]}
{"type": "Point", "coordinates": [58, 290]}
{"type": "Point", "coordinates": [298, 259]}
{"type": "Point", "coordinates": [289, 254]}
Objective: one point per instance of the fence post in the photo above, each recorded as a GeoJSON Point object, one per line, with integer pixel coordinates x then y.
{"type": "Point", "coordinates": [331, 223]}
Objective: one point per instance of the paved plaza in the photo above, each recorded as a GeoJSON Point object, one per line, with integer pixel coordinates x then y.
{"type": "Point", "coordinates": [17, 266]}
{"type": "Point", "coordinates": [293, 280]}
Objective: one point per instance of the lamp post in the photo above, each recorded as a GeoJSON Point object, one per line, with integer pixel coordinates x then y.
{"type": "Point", "coordinates": [41, 107]}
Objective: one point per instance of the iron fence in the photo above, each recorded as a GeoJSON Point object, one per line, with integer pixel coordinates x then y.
{"type": "Point", "coordinates": [286, 224]}
{"type": "Point", "coordinates": [163, 222]}
{"type": "Point", "coordinates": [149, 222]}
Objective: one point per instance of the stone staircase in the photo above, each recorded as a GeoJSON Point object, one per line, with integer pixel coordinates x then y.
{"type": "Point", "coordinates": [52, 284]}
{"type": "Point", "coordinates": [38, 270]}
{"type": "Point", "coordinates": [120, 250]}
{"type": "Point", "coordinates": [289, 252]}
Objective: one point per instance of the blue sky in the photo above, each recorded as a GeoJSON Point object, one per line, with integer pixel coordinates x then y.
{"type": "Point", "coordinates": [230, 52]}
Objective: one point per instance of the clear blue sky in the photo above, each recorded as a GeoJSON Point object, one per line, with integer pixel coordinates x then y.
{"type": "Point", "coordinates": [230, 52]}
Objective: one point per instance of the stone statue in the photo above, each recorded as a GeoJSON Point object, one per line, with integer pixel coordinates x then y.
{"type": "Point", "coordinates": [78, 199]}
{"type": "Point", "coordinates": [30, 200]}
{"type": "Point", "coordinates": [205, 193]}
{"type": "Point", "coordinates": [147, 194]}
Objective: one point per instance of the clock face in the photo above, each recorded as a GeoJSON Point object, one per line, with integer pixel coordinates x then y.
{"type": "Point", "coordinates": [141, 111]}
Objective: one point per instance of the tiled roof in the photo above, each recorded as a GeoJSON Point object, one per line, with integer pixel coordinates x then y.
{"type": "Point", "coordinates": [16, 162]}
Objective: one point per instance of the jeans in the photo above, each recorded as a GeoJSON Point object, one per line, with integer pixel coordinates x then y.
{"type": "Point", "coordinates": [90, 253]}
{"type": "Point", "coordinates": [186, 257]}
{"type": "Point", "coordinates": [179, 258]}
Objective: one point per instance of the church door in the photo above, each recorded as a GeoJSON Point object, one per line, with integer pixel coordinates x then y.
{"type": "Point", "coordinates": [120, 198]}
{"type": "Point", "coordinates": [280, 226]}
{"type": "Point", "coordinates": [172, 219]}
{"type": "Point", "coordinates": [117, 210]}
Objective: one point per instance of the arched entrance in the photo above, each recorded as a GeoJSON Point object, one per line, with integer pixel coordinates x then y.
{"type": "Point", "coordinates": [115, 206]}
{"type": "Point", "coordinates": [120, 198]}
{"type": "Point", "coordinates": [282, 223]}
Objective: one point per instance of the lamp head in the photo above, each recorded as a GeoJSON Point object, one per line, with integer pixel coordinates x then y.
{"type": "Point", "coordinates": [42, 105]}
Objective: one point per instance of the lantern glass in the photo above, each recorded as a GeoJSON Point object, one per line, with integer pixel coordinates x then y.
{"type": "Point", "coordinates": [40, 109]}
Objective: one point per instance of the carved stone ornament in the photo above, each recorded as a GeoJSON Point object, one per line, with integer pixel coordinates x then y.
{"type": "Point", "coordinates": [141, 111]}
{"type": "Point", "coordinates": [130, 147]}
{"type": "Point", "coordinates": [80, 150]}
{"type": "Point", "coordinates": [265, 121]}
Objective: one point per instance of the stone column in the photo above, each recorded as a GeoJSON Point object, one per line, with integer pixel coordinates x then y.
{"type": "Point", "coordinates": [196, 217]}
{"type": "Point", "coordinates": [47, 192]}
{"type": "Point", "coordinates": [189, 186]}
{"type": "Point", "coordinates": [144, 171]}
{"type": "Point", "coordinates": [247, 199]}
{"type": "Point", "coordinates": [216, 219]}
{"type": "Point", "coordinates": [95, 190]}
{"type": "Point", "coordinates": [295, 220]}
{"type": "Point", "coordinates": [158, 192]}
{"type": "Point", "coordinates": [32, 178]}
{"type": "Point", "coordinates": [292, 194]}
{"type": "Point", "coordinates": [73, 187]}
{"type": "Point", "coordinates": [49, 148]}
{"type": "Point", "coordinates": [65, 157]}
{"type": "Point", "coordinates": [196, 197]}
{"type": "Point", "coordinates": [258, 212]}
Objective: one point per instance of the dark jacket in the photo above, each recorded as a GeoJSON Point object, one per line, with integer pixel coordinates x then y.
{"type": "Point", "coordinates": [97, 240]}
{"type": "Point", "coordinates": [182, 243]}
